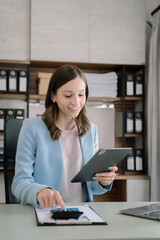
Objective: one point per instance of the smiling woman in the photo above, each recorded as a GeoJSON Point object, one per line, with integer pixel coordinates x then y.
{"type": "Point", "coordinates": [68, 90]}
{"type": "Point", "coordinates": [70, 99]}
{"type": "Point", "coordinates": [52, 149]}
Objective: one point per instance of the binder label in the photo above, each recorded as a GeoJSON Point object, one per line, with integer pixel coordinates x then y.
{"type": "Point", "coordinates": [130, 89]}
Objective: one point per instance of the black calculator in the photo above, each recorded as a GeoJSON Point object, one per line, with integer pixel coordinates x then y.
{"type": "Point", "coordinates": [69, 213]}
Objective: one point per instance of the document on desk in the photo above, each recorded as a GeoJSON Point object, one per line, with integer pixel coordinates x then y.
{"type": "Point", "coordinates": [89, 216]}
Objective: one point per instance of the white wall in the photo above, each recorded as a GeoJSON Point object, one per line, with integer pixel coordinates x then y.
{"type": "Point", "coordinates": [138, 190]}
{"type": "Point", "coordinates": [14, 27]}
{"type": "Point", "coordinates": [102, 31]}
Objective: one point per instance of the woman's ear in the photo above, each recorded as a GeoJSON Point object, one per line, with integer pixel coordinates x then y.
{"type": "Point", "coordinates": [53, 97]}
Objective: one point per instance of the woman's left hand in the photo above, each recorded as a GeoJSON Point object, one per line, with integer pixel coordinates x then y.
{"type": "Point", "coordinates": [106, 178]}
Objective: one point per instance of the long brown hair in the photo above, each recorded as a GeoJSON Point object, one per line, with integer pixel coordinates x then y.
{"type": "Point", "coordinates": [60, 77]}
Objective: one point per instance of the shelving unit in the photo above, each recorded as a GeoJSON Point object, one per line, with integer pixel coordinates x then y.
{"type": "Point", "coordinates": [14, 100]}
{"type": "Point", "coordinates": [121, 104]}
{"type": "Point", "coordinates": [17, 65]}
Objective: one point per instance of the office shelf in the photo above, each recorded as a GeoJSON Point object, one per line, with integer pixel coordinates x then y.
{"type": "Point", "coordinates": [121, 104]}
{"type": "Point", "coordinates": [12, 96]}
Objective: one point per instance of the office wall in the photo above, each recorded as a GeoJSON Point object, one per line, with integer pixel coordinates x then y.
{"type": "Point", "coordinates": [97, 31]}
{"type": "Point", "coordinates": [102, 31]}
{"type": "Point", "coordinates": [14, 27]}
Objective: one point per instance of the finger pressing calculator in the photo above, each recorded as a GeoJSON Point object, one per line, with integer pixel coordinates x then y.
{"type": "Point", "coordinates": [66, 214]}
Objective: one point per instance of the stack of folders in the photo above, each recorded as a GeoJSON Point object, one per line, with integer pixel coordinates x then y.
{"type": "Point", "coordinates": [134, 84]}
{"type": "Point", "coordinates": [13, 81]}
{"type": "Point", "coordinates": [102, 85]}
{"type": "Point", "coordinates": [134, 160]}
{"type": "Point", "coordinates": [133, 122]}
{"type": "Point", "coordinates": [6, 114]}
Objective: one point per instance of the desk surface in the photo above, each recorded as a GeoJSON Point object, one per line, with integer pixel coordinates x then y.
{"type": "Point", "coordinates": [19, 222]}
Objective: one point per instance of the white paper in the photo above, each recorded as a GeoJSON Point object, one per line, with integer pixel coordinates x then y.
{"type": "Point", "coordinates": [102, 85]}
{"type": "Point", "coordinates": [3, 84]}
{"type": "Point", "coordinates": [88, 216]}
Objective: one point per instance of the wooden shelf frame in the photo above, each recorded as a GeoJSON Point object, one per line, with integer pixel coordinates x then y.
{"type": "Point", "coordinates": [102, 99]}
{"type": "Point", "coordinates": [12, 96]}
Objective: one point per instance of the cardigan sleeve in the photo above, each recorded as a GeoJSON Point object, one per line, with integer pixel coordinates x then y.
{"type": "Point", "coordinates": [24, 187]}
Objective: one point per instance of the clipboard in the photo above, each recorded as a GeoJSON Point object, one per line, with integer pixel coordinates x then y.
{"type": "Point", "coordinates": [89, 217]}
{"type": "Point", "coordinates": [100, 162]}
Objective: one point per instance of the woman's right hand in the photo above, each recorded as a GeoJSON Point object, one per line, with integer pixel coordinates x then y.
{"type": "Point", "coordinates": [48, 198]}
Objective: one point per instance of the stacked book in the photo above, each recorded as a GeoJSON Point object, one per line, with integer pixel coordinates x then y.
{"type": "Point", "coordinates": [102, 85]}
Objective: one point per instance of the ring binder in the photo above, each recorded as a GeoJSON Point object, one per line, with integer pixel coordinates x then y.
{"type": "Point", "coordinates": [138, 159]}
{"type": "Point", "coordinates": [138, 122]}
{"type": "Point", "coordinates": [3, 81]}
{"type": "Point", "coordinates": [12, 81]}
{"type": "Point", "coordinates": [129, 84]}
{"type": "Point", "coordinates": [130, 162]}
{"type": "Point", "coordinates": [22, 86]}
{"type": "Point", "coordinates": [139, 85]}
{"type": "Point", "coordinates": [2, 118]}
{"type": "Point", "coordinates": [9, 113]}
{"type": "Point", "coordinates": [129, 122]}
{"type": "Point", "coordinates": [19, 113]}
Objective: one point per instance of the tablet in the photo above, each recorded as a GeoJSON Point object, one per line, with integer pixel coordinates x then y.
{"type": "Point", "coordinates": [100, 162]}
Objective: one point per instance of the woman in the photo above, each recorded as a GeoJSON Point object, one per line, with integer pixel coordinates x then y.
{"type": "Point", "coordinates": [52, 149]}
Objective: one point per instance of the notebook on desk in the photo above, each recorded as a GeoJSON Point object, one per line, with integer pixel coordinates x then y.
{"type": "Point", "coordinates": [151, 211]}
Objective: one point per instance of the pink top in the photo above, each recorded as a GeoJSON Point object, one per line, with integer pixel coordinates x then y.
{"type": "Point", "coordinates": [72, 163]}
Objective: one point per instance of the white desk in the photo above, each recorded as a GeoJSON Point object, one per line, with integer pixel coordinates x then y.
{"type": "Point", "coordinates": [19, 222]}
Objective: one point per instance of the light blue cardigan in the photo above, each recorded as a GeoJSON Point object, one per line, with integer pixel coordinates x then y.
{"type": "Point", "coordinates": [39, 161]}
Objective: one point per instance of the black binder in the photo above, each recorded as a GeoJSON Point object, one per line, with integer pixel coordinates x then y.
{"type": "Point", "coordinates": [9, 113]}
{"type": "Point", "coordinates": [139, 84]}
{"type": "Point", "coordinates": [138, 122]}
{"type": "Point", "coordinates": [2, 118]}
{"type": "Point", "coordinates": [12, 81]}
{"type": "Point", "coordinates": [3, 80]}
{"type": "Point", "coordinates": [129, 122]}
{"type": "Point", "coordinates": [19, 113]}
{"type": "Point", "coordinates": [129, 84]}
{"type": "Point", "coordinates": [130, 161]}
{"type": "Point", "coordinates": [22, 86]}
{"type": "Point", "coordinates": [138, 159]}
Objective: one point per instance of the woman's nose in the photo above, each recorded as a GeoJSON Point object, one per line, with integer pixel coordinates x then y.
{"type": "Point", "coordinates": [75, 101]}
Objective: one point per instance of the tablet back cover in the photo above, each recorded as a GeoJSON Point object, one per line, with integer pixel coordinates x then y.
{"type": "Point", "coordinates": [100, 162]}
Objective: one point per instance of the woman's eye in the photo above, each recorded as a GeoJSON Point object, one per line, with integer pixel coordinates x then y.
{"type": "Point", "coordinates": [68, 96]}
